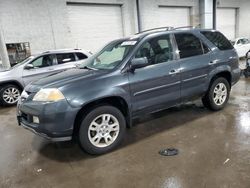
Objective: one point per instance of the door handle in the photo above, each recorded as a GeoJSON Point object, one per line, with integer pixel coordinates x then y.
{"type": "Point", "coordinates": [173, 71]}
{"type": "Point", "coordinates": [213, 62]}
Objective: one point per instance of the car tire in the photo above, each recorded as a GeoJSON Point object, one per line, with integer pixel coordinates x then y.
{"type": "Point", "coordinates": [218, 94]}
{"type": "Point", "coordinates": [9, 95]}
{"type": "Point", "coordinates": [101, 130]}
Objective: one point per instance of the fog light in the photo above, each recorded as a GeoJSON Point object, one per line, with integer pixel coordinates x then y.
{"type": "Point", "coordinates": [35, 119]}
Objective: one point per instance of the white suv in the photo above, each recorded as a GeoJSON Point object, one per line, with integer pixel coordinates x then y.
{"type": "Point", "coordinates": [33, 68]}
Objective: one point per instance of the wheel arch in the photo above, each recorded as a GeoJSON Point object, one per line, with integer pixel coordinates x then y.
{"type": "Point", "coordinates": [12, 82]}
{"type": "Point", "coordinates": [116, 101]}
{"type": "Point", "coordinates": [224, 74]}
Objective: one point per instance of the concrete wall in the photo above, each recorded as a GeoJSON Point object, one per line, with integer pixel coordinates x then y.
{"type": "Point", "coordinates": [242, 17]}
{"type": "Point", "coordinates": [149, 8]}
{"type": "Point", "coordinates": [43, 23]}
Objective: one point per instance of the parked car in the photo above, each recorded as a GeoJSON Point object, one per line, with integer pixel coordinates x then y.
{"type": "Point", "coordinates": [129, 78]}
{"type": "Point", "coordinates": [242, 46]}
{"type": "Point", "coordinates": [33, 68]}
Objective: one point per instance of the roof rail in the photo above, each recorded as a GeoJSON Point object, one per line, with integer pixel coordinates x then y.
{"type": "Point", "coordinates": [61, 50]}
{"type": "Point", "coordinates": [157, 28]}
{"type": "Point", "coordinates": [185, 27]}
{"type": "Point", "coordinates": [169, 28]}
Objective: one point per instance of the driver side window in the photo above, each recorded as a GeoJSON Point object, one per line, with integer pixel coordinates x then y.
{"type": "Point", "coordinates": [43, 61]}
{"type": "Point", "coordinates": [157, 50]}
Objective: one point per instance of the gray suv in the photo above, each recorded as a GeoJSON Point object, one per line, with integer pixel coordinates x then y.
{"type": "Point", "coordinates": [33, 68]}
{"type": "Point", "coordinates": [128, 78]}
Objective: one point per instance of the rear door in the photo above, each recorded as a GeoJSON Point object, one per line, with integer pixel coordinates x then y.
{"type": "Point", "coordinates": [156, 86]}
{"type": "Point", "coordinates": [194, 64]}
{"type": "Point", "coordinates": [65, 61]}
{"type": "Point", "coordinates": [42, 66]}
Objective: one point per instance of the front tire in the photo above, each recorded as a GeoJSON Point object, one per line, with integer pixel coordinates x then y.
{"type": "Point", "coordinates": [218, 94]}
{"type": "Point", "coordinates": [101, 130]}
{"type": "Point", "coordinates": [9, 95]}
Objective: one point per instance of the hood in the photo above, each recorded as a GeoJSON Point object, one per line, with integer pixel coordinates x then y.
{"type": "Point", "coordinates": [11, 74]}
{"type": "Point", "coordinates": [63, 78]}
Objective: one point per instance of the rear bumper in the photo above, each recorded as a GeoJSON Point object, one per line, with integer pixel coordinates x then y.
{"type": "Point", "coordinates": [56, 120]}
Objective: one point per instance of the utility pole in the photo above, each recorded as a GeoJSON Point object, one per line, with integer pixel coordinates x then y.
{"type": "Point", "coordinates": [3, 51]}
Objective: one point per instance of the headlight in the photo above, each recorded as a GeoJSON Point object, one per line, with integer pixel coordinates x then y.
{"type": "Point", "coordinates": [48, 95]}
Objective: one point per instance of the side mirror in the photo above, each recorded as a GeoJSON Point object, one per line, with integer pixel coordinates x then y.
{"type": "Point", "coordinates": [29, 66]}
{"type": "Point", "coordinates": [137, 63]}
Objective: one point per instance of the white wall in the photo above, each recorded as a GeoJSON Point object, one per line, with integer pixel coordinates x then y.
{"type": "Point", "coordinates": [43, 23]}
{"type": "Point", "coordinates": [242, 17]}
{"type": "Point", "coordinates": [149, 10]}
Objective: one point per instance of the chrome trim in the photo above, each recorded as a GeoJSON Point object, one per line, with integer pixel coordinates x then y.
{"type": "Point", "coordinates": [155, 88]}
{"type": "Point", "coordinates": [194, 78]}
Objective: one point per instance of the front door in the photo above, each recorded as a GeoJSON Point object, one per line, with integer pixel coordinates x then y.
{"type": "Point", "coordinates": [156, 86]}
{"type": "Point", "coordinates": [41, 67]}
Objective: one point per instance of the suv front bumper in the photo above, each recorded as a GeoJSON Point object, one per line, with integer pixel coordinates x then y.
{"type": "Point", "coordinates": [56, 119]}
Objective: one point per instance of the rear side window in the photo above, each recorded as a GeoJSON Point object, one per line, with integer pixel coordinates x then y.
{"type": "Point", "coordinates": [219, 40]}
{"type": "Point", "coordinates": [81, 56]}
{"type": "Point", "coordinates": [65, 58]}
{"type": "Point", "coordinates": [188, 45]}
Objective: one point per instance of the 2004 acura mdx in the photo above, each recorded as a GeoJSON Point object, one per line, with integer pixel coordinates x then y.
{"type": "Point", "coordinates": [147, 72]}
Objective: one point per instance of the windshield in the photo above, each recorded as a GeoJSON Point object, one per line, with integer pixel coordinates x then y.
{"type": "Point", "coordinates": [24, 61]}
{"type": "Point", "coordinates": [110, 56]}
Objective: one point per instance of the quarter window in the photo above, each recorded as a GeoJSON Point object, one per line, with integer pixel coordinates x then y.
{"type": "Point", "coordinates": [81, 56]}
{"type": "Point", "coordinates": [218, 39]}
{"type": "Point", "coordinates": [157, 50]}
{"type": "Point", "coordinates": [188, 45]}
{"type": "Point", "coordinates": [65, 58]}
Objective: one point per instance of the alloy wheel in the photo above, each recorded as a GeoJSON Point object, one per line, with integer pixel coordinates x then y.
{"type": "Point", "coordinates": [220, 94]}
{"type": "Point", "coordinates": [11, 95]}
{"type": "Point", "coordinates": [103, 130]}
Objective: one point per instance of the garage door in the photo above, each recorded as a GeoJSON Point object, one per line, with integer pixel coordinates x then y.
{"type": "Point", "coordinates": [92, 26]}
{"type": "Point", "coordinates": [169, 16]}
{"type": "Point", "coordinates": [226, 21]}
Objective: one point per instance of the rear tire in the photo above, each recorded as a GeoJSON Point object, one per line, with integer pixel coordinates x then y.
{"type": "Point", "coordinates": [9, 95]}
{"type": "Point", "coordinates": [218, 94]}
{"type": "Point", "coordinates": [101, 130]}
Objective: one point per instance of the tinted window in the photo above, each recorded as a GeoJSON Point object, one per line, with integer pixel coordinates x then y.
{"type": "Point", "coordinates": [205, 48]}
{"type": "Point", "coordinates": [244, 41]}
{"type": "Point", "coordinates": [65, 58]}
{"type": "Point", "coordinates": [239, 41]}
{"type": "Point", "coordinates": [157, 50]}
{"type": "Point", "coordinates": [44, 61]}
{"type": "Point", "coordinates": [219, 40]}
{"type": "Point", "coordinates": [81, 56]}
{"type": "Point", "coordinates": [188, 45]}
